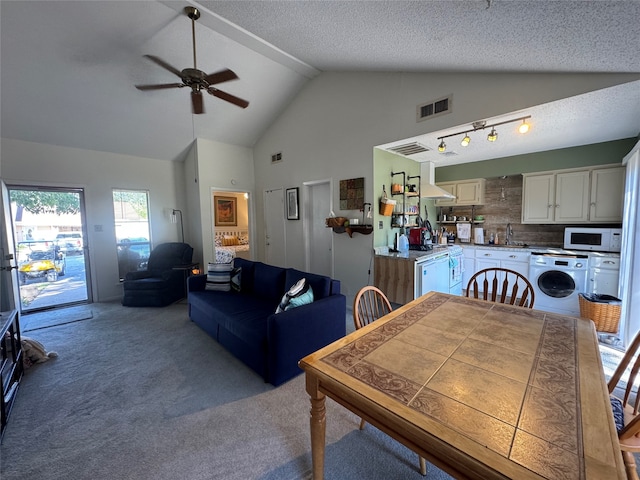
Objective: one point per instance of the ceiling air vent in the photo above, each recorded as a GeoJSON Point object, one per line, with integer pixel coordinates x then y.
{"type": "Point", "coordinates": [434, 108]}
{"type": "Point", "coordinates": [408, 149]}
{"type": "Point", "coordinates": [276, 157]}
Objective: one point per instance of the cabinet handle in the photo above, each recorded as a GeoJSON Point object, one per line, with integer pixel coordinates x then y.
{"type": "Point", "coordinates": [609, 262]}
{"type": "Point", "coordinates": [487, 254]}
{"type": "Point", "coordinates": [513, 256]}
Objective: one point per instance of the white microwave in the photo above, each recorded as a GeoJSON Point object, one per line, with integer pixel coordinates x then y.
{"type": "Point", "coordinates": [595, 239]}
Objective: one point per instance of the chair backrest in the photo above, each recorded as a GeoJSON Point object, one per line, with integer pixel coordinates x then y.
{"type": "Point", "coordinates": [501, 285]}
{"type": "Point", "coordinates": [631, 363]}
{"type": "Point", "coordinates": [168, 255]}
{"type": "Point", "coordinates": [369, 305]}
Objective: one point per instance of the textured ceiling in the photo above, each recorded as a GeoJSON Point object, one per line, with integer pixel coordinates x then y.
{"type": "Point", "coordinates": [68, 68]}
{"type": "Point", "coordinates": [448, 35]}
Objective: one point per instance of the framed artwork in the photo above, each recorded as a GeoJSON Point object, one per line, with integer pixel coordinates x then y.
{"type": "Point", "coordinates": [292, 204]}
{"type": "Point", "coordinates": [352, 194]}
{"type": "Point", "coordinates": [225, 211]}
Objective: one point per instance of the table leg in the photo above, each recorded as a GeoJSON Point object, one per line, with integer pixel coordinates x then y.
{"type": "Point", "coordinates": [317, 423]}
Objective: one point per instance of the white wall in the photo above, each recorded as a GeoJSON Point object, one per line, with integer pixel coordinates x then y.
{"type": "Point", "coordinates": [221, 167]}
{"type": "Point", "coordinates": [331, 127]}
{"type": "Point", "coordinates": [98, 173]}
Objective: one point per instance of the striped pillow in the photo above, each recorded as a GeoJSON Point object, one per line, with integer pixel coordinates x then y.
{"type": "Point", "coordinates": [219, 277]}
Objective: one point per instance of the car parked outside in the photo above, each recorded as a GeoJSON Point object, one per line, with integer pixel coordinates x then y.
{"type": "Point", "coordinates": [70, 242]}
{"type": "Point", "coordinates": [39, 259]}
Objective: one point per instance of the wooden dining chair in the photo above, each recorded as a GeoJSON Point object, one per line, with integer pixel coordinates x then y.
{"type": "Point", "coordinates": [625, 406]}
{"type": "Point", "coordinates": [369, 305]}
{"type": "Point", "coordinates": [501, 285]}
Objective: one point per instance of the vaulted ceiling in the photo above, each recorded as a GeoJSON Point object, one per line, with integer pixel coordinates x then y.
{"type": "Point", "coordinates": [68, 68]}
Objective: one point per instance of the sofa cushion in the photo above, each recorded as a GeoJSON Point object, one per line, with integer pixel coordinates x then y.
{"type": "Point", "coordinates": [320, 284]}
{"type": "Point", "coordinates": [219, 276]}
{"type": "Point", "coordinates": [243, 315]}
{"type": "Point", "coordinates": [247, 266]}
{"type": "Point", "coordinates": [304, 299]}
{"type": "Point", "coordinates": [268, 282]}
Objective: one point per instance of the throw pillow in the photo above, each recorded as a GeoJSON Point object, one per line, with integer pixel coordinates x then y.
{"type": "Point", "coordinates": [299, 288]}
{"type": "Point", "coordinates": [618, 413]}
{"type": "Point", "coordinates": [304, 299]}
{"type": "Point", "coordinates": [219, 277]}
{"type": "Point", "coordinates": [229, 240]}
{"type": "Point", "coordinates": [236, 279]}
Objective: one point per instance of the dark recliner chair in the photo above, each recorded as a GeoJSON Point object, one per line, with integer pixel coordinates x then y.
{"type": "Point", "coordinates": [161, 283]}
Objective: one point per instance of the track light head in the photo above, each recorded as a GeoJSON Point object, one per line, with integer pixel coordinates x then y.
{"type": "Point", "coordinates": [524, 128]}
{"type": "Point", "coordinates": [465, 141]}
{"type": "Point", "coordinates": [442, 147]}
{"type": "Point", "coordinates": [493, 135]}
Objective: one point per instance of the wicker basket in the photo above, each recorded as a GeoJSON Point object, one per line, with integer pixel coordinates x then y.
{"type": "Point", "coordinates": [386, 206]}
{"type": "Point", "coordinates": [606, 316]}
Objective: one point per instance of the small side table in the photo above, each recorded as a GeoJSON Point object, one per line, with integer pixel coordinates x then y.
{"type": "Point", "coordinates": [188, 271]}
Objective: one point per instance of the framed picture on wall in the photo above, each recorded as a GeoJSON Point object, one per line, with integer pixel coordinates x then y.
{"type": "Point", "coordinates": [225, 211]}
{"type": "Point", "coordinates": [292, 204]}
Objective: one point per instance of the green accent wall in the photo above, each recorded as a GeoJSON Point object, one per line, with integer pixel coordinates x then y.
{"type": "Point", "coordinates": [585, 155]}
{"type": "Point", "coordinates": [384, 163]}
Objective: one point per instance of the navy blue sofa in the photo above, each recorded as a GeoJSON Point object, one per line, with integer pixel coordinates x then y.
{"type": "Point", "coordinates": [245, 322]}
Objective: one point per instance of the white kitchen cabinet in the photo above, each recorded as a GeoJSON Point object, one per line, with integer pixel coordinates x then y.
{"type": "Point", "coordinates": [604, 274]}
{"type": "Point", "coordinates": [573, 196]}
{"type": "Point", "coordinates": [469, 264]}
{"type": "Point", "coordinates": [607, 194]}
{"type": "Point", "coordinates": [502, 258]}
{"type": "Point", "coordinates": [467, 192]}
{"type": "Point", "coordinates": [538, 198]}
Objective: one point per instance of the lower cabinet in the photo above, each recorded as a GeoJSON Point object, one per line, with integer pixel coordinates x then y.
{"type": "Point", "coordinates": [395, 277]}
{"type": "Point", "coordinates": [495, 258]}
{"type": "Point", "coordinates": [469, 259]}
{"type": "Point", "coordinates": [604, 273]}
{"type": "Point", "coordinates": [11, 367]}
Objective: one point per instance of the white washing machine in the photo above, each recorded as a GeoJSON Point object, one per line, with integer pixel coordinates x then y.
{"type": "Point", "coordinates": [558, 279]}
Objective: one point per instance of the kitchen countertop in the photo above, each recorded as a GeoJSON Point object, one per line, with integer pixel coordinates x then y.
{"type": "Point", "coordinates": [538, 249]}
{"type": "Point", "coordinates": [416, 255]}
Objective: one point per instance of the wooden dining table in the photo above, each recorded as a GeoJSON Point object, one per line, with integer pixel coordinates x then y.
{"type": "Point", "coordinates": [481, 390]}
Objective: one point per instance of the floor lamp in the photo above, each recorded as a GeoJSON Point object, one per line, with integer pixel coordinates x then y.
{"type": "Point", "coordinates": [174, 219]}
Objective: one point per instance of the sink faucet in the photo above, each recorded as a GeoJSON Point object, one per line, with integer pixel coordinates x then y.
{"type": "Point", "coordinates": [509, 234]}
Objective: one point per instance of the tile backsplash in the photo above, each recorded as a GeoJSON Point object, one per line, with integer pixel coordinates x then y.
{"type": "Point", "coordinates": [503, 205]}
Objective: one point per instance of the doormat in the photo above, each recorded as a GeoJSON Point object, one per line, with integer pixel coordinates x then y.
{"type": "Point", "coordinates": [52, 318]}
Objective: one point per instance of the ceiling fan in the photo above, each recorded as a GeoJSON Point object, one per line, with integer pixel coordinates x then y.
{"type": "Point", "coordinates": [196, 79]}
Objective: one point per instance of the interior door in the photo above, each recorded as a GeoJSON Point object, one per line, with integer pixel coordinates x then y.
{"type": "Point", "coordinates": [274, 236]}
{"type": "Point", "coordinates": [319, 243]}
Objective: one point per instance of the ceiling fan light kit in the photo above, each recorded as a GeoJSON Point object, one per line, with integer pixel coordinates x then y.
{"type": "Point", "coordinates": [196, 79]}
{"type": "Point", "coordinates": [481, 125]}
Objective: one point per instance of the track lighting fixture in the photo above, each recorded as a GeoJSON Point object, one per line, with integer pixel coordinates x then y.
{"type": "Point", "coordinates": [481, 125]}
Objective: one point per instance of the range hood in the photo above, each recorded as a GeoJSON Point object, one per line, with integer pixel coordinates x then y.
{"type": "Point", "coordinates": [428, 189]}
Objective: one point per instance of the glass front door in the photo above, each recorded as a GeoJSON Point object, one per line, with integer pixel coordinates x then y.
{"type": "Point", "coordinates": [50, 245]}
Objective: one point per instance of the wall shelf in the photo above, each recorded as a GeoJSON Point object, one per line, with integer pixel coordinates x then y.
{"type": "Point", "coordinates": [350, 230]}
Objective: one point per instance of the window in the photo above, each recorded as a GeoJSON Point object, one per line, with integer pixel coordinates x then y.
{"type": "Point", "coordinates": [133, 240]}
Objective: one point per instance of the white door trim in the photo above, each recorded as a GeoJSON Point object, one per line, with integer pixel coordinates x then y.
{"type": "Point", "coordinates": [306, 222]}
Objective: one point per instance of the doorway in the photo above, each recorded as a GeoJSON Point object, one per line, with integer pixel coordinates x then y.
{"type": "Point", "coordinates": [231, 224]}
{"type": "Point", "coordinates": [48, 232]}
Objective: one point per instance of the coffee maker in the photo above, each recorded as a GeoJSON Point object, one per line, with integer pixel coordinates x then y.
{"type": "Point", "coordinates": [420, 239]}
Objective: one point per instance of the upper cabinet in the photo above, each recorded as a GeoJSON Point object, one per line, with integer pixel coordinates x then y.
{"type": "Point", "coordinates": [590, 195]}
{"type": "Point", "coordinates": [467, 192]}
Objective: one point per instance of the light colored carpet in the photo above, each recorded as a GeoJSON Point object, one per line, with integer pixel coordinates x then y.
{"type": "Point", "coordinates": [141, 393]}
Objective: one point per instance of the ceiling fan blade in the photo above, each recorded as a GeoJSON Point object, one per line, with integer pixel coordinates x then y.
{"type": "Point", "coordinates": [221, 76]}
{"type": "Point", "coordinates": [228, 97]}
{"type": "Point", "coordinates": [160, 86]}
{"type": "Point", "coordinates": [197, 104]}
{"type": "Point", "coordinates": [164, 65]}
